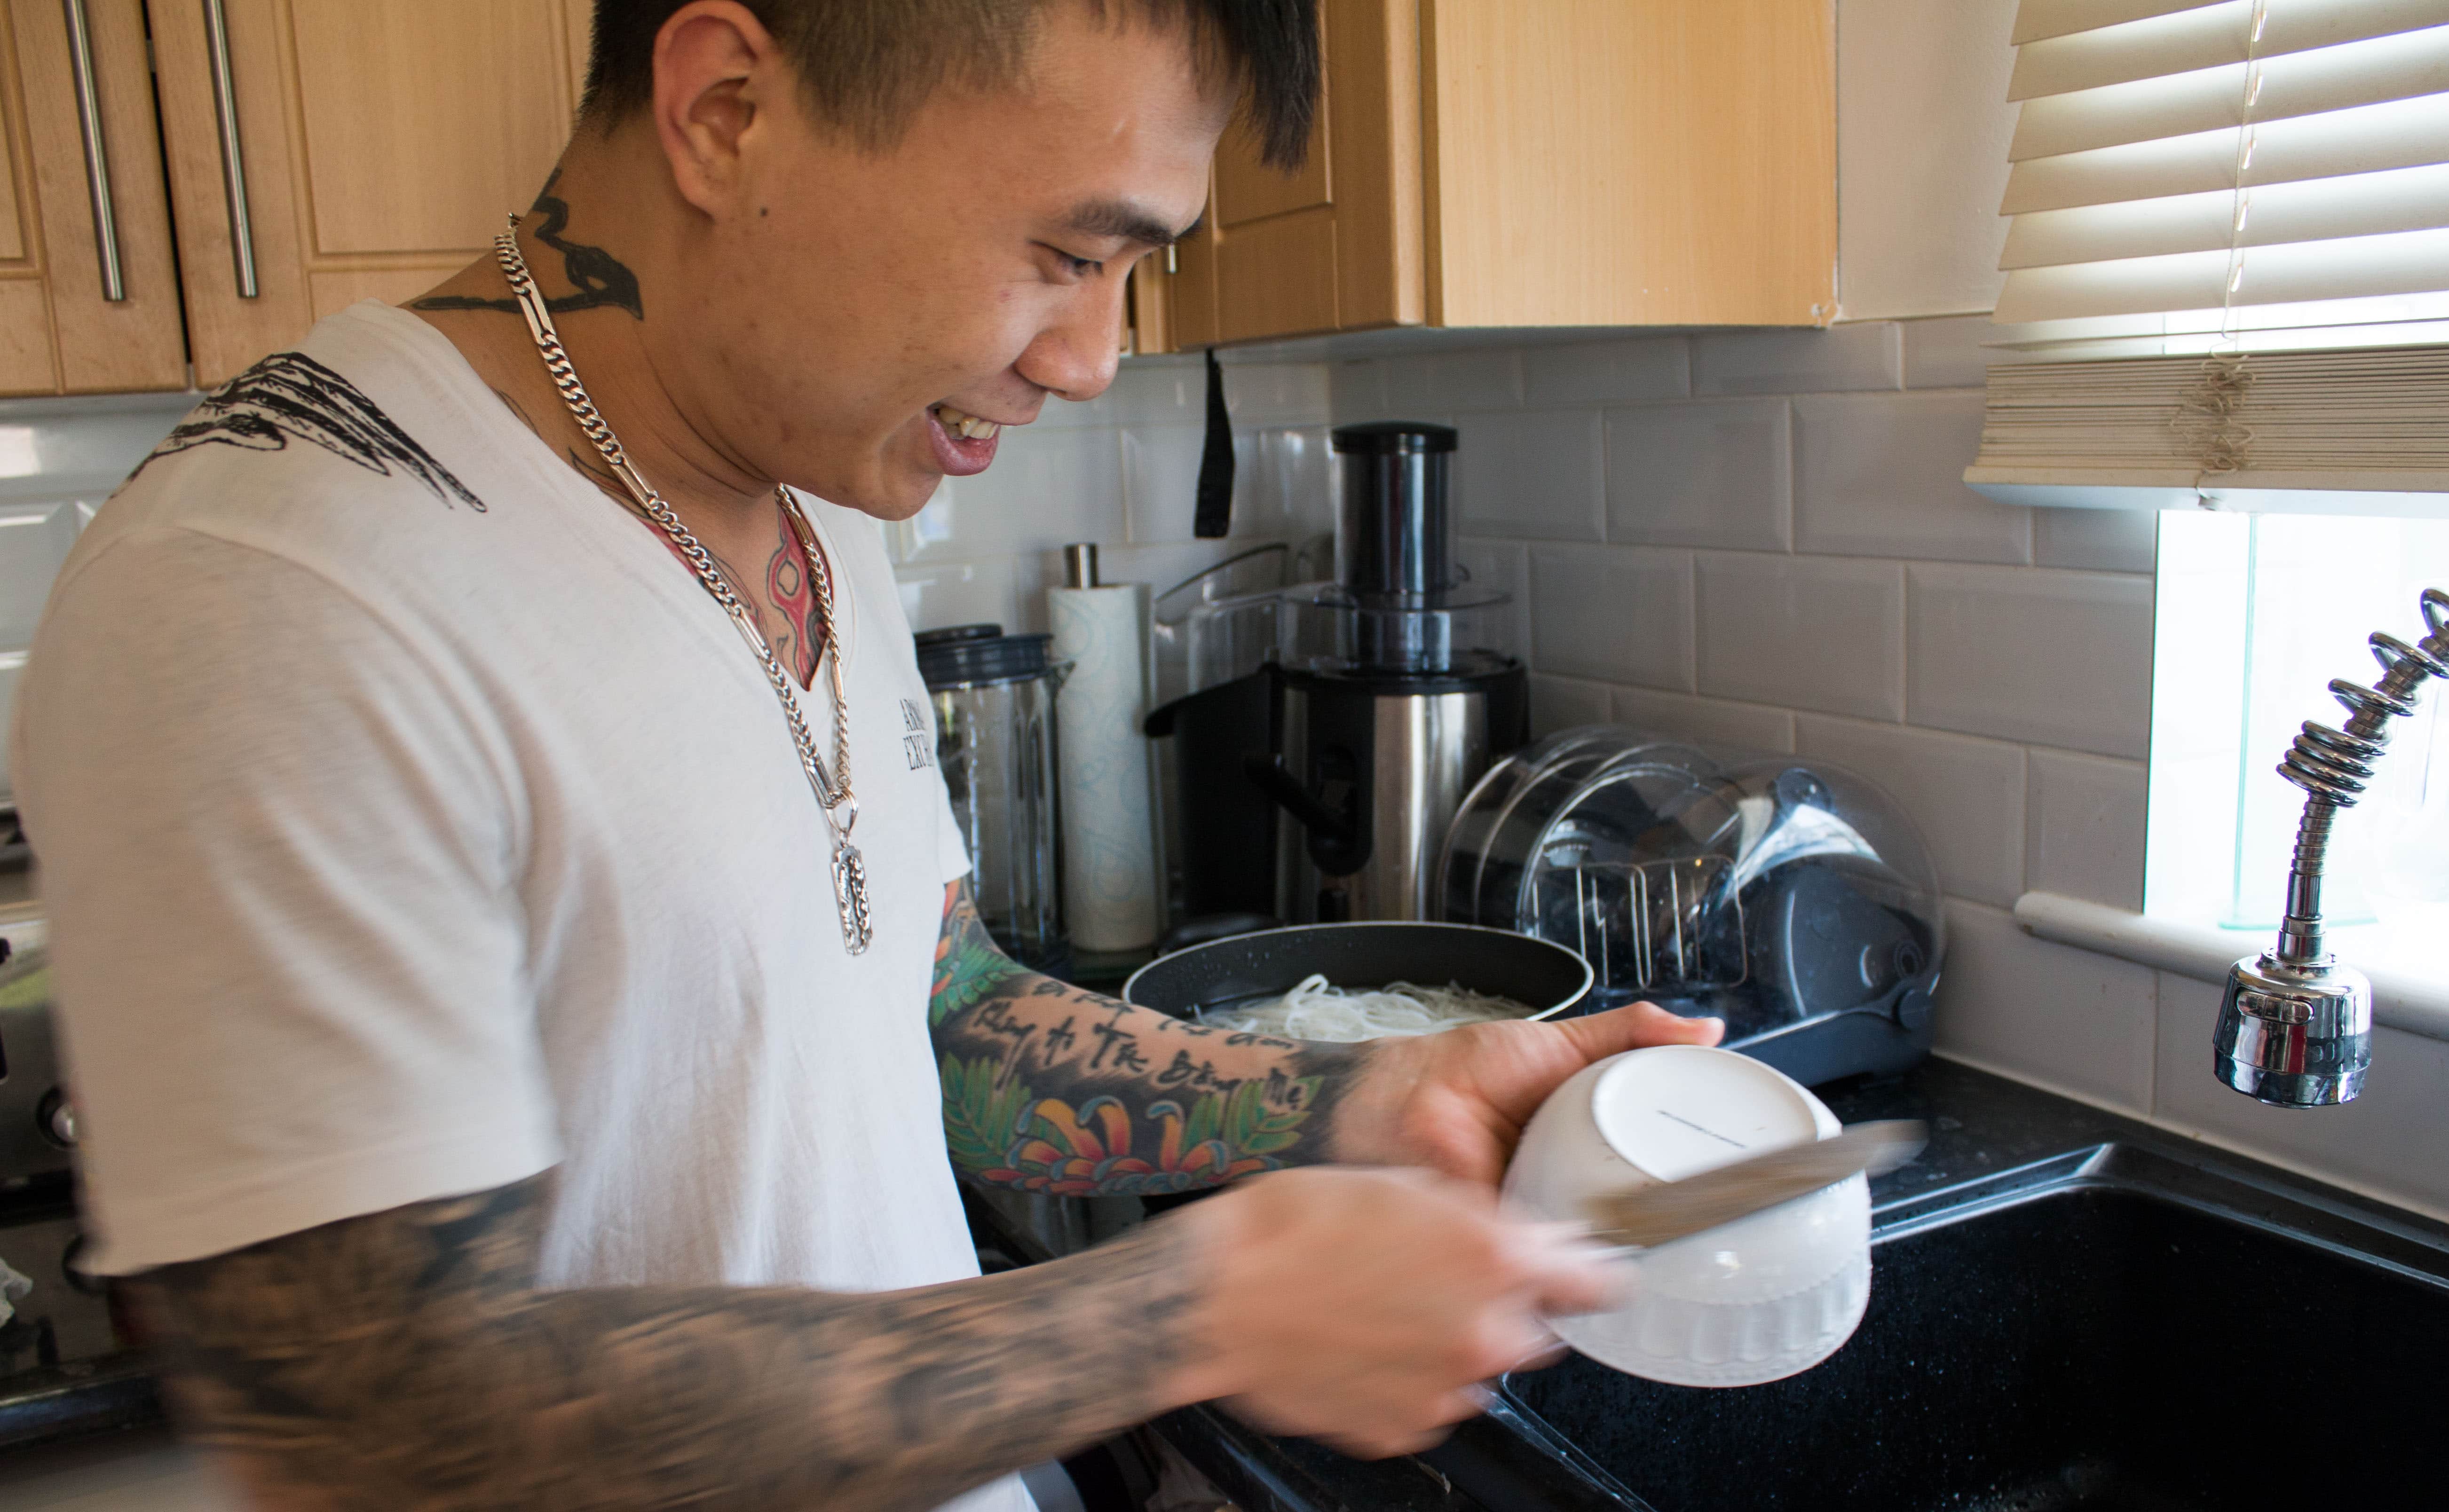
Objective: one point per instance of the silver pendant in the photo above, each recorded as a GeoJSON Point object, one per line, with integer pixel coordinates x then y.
{"type": "Point", "coordinates": [850, 895]}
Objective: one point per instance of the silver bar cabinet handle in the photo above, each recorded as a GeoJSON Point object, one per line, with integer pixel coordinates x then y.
{"type": "Point", "coordinates": [97, 155]}
{"type": "Point", "coordinates": [233, 154]}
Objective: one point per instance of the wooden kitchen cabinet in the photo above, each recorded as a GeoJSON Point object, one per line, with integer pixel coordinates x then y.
{"type": "Point", "coordinates": [377, 146]}
{"type": "Point", "coordinates": [382, 142]}
{"type": "Point", "coordinates": [1531, 162]}
{"type": "Point", "coordinates": [59, 332]}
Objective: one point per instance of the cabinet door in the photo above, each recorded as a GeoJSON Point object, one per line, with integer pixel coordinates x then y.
{"type": "Point", "coordinates": [1336, 244]}
{"type": "Point", "coordinates": [1631, 162]}
{"type": "Point", "coordinates": [59, 330]}
{"type": "Point", "coordinates": [381, 144]}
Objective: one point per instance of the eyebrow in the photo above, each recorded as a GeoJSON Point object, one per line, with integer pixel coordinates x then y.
{"type": "Point", "coordinates": [1128, 221]}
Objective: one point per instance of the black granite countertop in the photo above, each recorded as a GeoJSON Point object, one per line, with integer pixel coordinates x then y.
{"type": "Point", "coordinates": [1983, 1128]}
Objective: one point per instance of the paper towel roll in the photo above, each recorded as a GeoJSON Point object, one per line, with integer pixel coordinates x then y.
{"type": "Point", "coordinates": [1109, 883]}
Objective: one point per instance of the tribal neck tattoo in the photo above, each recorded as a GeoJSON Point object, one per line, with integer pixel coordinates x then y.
{"type": "Point", "coordinates": [598, 278]}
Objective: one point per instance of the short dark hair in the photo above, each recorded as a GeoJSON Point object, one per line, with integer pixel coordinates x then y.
{"type": "Point", "coordinates": [869, 65]}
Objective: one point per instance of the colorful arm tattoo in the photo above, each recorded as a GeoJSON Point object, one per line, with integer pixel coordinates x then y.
{"type": "Point", "coordinates": [1050, 1087]}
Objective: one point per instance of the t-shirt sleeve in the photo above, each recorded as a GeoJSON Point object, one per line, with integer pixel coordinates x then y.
{"type": "Point", "coordinates": [278, 857]}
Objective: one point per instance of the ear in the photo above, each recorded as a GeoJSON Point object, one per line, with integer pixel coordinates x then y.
{"type": "Point", "coordinates": [717, 70]}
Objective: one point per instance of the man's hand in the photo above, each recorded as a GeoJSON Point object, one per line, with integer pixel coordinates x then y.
{"type": "Point", "coordinates": [1456, 1102]}
{"type": "Point", "coordinates": [1363, 1307]}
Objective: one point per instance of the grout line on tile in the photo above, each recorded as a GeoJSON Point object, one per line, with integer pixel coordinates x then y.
{"type": "Point", "coordinates": [1903, 628]}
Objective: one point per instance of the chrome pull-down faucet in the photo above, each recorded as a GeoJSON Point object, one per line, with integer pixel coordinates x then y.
{"type": "Point", "coordinates": [2295, 1027]}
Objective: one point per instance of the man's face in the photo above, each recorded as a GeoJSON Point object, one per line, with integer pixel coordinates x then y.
{"type": "Point", "coordinates": [854, 310]}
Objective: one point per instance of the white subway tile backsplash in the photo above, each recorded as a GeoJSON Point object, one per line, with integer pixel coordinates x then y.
{"type": "Point", "coordinates": [1845, 356]}
{"type": "Point", "coordinates": [1294, 489]}
{"type": "Point", "coordinates": [1965, 795]}
{"type": "Point", "coordinates": [1946, 352]}
{"type": "Point", "coordinates": [1709, 474]}
{"type": "Point", "coordinates": [1882, 475]}
{"type": "Point", "coordinates": [1803, 632]}
{"type": "Point", "coordinates": [2084, 828]}
{"type": "Point", "coordinates": [1481, 378]}
{"type": "Point", "coordinates": [1044, 489]}
{"type": "Point", "coordinates": [1534, 476]}
{"type": "Point", "coordinates": [1356, 390]}
{"type": "Point", "coordinates": [1161, 479]}
{"type": "Point", "coordinates": [1159, 390]}
{"type": "Point", "coordinates": [1584, 373]}
{"type": "Point", "coordinates": [950, 593]}
{"type": "Point", "coordinates": [1713, 722]}
{"type": "Point", "coordinates": [2097, 539]}
{"type": "Point", "coordinates": [1621, 613]}
{"type": "Point", "coordinates": [2056, 658]}
{"type": "Point", "coordinates": [2386, 1143]}
{"type": "Point", "coordinates": [1283, 482]}
{"type": "Point", "coordinates": [1560, 703]}
{"type": "Point", "coordinates": [2072, 1020]}
{"type": "Point", "coordinates": [1275, 393]}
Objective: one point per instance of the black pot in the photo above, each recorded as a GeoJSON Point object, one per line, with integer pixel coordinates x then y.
{"type": "Point", "coordinates": [1222, 973]}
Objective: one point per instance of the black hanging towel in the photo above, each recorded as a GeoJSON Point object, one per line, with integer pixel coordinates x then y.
{"type": "Point", "coordinates": [1214, 514]}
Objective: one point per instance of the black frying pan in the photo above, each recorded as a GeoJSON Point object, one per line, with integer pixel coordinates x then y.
{"type": "Point", "coordinates": [1270, 962]}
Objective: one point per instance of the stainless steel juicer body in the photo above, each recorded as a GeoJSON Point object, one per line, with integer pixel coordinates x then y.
{"type": "Point", "coordinates": [1389, 760]}
{"type": "Point", "coordinates": [1390, 693]}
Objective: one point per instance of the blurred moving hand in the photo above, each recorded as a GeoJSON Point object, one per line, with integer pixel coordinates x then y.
{"type": "Point", "coordinates": [1362, 1306]}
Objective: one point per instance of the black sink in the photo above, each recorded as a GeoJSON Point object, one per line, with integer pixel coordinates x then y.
{"type": "Point", "coordinates": [2118, 1329]}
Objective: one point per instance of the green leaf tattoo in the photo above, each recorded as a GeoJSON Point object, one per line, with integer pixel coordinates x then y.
{"type": "Point", "coordinates": [1009, 1137]}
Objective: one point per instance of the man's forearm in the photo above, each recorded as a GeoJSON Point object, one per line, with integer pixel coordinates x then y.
{"type": "Point", "coordinates": [1050, 1087]}
{"type": "Point", "coordinates": [405, 1360]}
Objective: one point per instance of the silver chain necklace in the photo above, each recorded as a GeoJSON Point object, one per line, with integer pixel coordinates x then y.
{"type": "Point", "coordinates": [832, 791]}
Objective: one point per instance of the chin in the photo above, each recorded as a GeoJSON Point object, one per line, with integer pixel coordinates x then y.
{"type": "Point", "coordinates": [895, 491]}
{"type": "Point", "coordinates": [898, 481]}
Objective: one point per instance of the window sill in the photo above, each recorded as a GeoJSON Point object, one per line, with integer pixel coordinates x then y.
{"type": "Point", "coordinates": [2411, 1000]}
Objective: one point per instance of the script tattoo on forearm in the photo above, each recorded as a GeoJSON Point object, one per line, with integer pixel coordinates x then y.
{"type": "Point", "coordinates": [596, 277]}
{"type": "Point", "coordinates": [1050, 1087]}
{"type": "Point", "coordinates": [408, 1360]}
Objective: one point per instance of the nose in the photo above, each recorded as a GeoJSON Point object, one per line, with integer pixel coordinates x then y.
{"type": "Point", "coordinates": [1075, 356]}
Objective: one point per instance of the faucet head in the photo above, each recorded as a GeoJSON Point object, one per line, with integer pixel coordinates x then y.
{"type": "Point", "coordinates": [2294, 1035]}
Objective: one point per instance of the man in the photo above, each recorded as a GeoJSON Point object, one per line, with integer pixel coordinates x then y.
{"type": "Point", "coordinates": [512, 1075]}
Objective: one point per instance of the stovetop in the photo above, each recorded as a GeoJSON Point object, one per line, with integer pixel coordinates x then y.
{"type": "Point", "coordinates": [69, 1363]}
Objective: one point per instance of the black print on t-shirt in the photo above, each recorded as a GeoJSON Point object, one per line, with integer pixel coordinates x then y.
{"type": "Point", "coordinates": [291, 396]}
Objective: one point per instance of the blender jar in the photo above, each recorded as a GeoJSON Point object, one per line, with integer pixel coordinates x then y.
{"type": "Point", "coordinates": [994, 743]}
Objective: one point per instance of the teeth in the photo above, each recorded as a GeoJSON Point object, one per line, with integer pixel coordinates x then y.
{"type": "Point", "coordinates": [964, 425]}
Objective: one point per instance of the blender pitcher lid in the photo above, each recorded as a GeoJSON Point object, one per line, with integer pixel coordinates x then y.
{"type": "Point", "coordinates": [969, 654]}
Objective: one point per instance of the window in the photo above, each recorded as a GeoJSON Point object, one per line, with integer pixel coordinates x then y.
{"type": "Point", "coordinates": [2257, 613]}
{"type": "Point", "coordinates": [2227, 299]}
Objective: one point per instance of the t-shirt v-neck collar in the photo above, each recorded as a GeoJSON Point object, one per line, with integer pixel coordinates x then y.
{"type": "Point", "coordinates": [494, 427]}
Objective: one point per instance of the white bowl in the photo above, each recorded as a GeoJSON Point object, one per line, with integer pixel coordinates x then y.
{"type": "Point", "coordinates": [1749, 1302]}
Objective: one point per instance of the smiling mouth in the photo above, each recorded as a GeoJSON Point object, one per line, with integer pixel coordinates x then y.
{"type": "Point", "coordinates": [968, 427]}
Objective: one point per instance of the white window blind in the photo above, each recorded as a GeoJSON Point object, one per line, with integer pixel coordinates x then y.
{"type": "Point", "coordinates": [2228, 275]}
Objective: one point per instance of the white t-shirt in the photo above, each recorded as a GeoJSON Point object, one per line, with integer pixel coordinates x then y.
{"type": "Point", "coordinates": [412, 821]}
